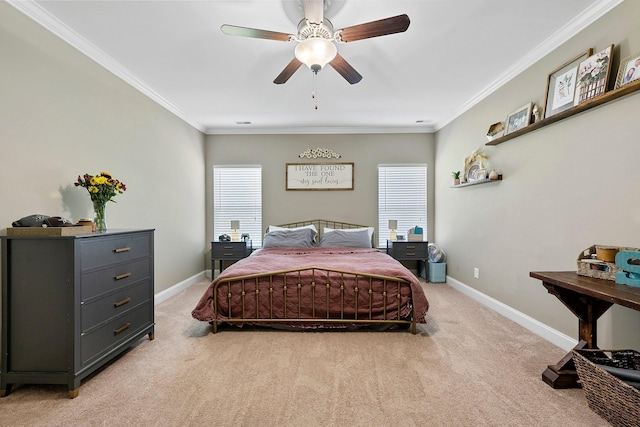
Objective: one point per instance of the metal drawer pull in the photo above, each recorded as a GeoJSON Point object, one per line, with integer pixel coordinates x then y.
{"type": "Point", "coordinates": [411, 254]}
{"type": "Point", "coordinates": [122, 328]}
{"type": "Point", "coordinates": [411, 247]}
{"type": "Point", "coordinates": [122, 276]}
{"type": "Point", "coordinates": [120, 250]}
{"type": "Point", "coordinates": [123, 302]}
{"type": "Point", "coordinates": [231, 254]}
{"type": "Point", "coordinates": [228, 247]}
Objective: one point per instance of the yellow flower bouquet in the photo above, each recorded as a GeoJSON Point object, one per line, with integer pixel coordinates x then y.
{"type": "Point", "coordinates": [102, 188]}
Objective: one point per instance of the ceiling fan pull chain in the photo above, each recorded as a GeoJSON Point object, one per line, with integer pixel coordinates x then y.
{"type": "Point", "coordinates": [314, 93]}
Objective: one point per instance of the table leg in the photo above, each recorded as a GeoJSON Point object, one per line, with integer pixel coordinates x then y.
{"type": "Point", "coordinates": [563, 374]}
{"type": "Point", "coordinates": [588, 310]}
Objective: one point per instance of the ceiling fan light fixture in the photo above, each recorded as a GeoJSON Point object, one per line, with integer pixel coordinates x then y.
{"type": "Point", "coordinates": [316, 52]}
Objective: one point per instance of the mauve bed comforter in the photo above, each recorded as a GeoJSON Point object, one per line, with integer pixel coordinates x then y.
{"type": "Point", "coordinates": [365, 261]}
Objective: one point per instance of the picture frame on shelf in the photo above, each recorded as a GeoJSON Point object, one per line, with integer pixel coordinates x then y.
{"type": "Point", "coordinates": [593, 76]}
{"type": "Point", "coordinates": [519, 119]}
{"type": "Point", "coordinates": [476, 173]}
{"type": "Point", "coordinates": [561, 85]}
{"type": "Point", "coordinates": [629, 70]}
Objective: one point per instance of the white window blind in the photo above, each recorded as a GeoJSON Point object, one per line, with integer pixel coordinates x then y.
{"type": "Point", "coordinates": [402, 196]}
{"type": "Point", "coordinates": [237, 196]}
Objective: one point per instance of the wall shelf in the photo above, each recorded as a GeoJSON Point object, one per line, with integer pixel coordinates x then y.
{"type": "Point", "coordinates": [482, 181]}
{"type": "Point", "coordinates": [587, 105]}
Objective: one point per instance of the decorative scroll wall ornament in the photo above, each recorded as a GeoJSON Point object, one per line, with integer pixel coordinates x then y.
{"type": "Point", "coordinates": [315, 153]}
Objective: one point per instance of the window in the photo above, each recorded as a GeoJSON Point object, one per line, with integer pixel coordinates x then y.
{"type": "Point", "coordinates": [402, 196]}
{"type": "Point", "coordinates": [237, 196]}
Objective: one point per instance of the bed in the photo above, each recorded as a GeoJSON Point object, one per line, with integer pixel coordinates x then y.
{"type": "Point", "coordinates": [316, 274]}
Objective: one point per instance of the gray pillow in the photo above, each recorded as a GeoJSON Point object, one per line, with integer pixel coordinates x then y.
{"type": "Point", "coordinates": [346, 239]}
{"type": "Point", "coordinates": [301, 238]}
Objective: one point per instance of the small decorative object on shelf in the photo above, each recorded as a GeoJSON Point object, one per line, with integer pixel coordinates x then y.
{"type": "Point", "coordinates": [456, 177]}
{"type": "Point", "coordinates": [593, 75]}
{"type": "Point", "coordinates": [102, 188]}
{"type": "Point", "coordinates": [496, 130]}
{"type": "Point", "coordinates": [535, 113]}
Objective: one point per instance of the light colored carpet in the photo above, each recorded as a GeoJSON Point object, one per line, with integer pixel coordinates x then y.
{"type": "Point", "coordinates": [467, 367]}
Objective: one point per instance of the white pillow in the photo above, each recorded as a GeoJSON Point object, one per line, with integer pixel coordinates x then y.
{"type": "Point", "coordinates": [369, 230]}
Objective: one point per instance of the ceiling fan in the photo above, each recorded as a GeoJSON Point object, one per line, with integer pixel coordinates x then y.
{"type": "Point", "coordinates": [317, 40]}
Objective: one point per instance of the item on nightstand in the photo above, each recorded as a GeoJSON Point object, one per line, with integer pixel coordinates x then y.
{"type": "Point", "coordinates": [415, 234]}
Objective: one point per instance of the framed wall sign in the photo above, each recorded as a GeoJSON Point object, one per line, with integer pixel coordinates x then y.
{"type": "Point", "coordinates": [319, 176]}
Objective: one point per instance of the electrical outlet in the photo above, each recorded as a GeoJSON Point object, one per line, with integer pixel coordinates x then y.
{"type": "Point", "coordinates": [476, 273]}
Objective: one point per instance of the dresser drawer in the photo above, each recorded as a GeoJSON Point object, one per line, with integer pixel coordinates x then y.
{"type": "Point", "coordinates": [112, 305]}
{"type": "Point", "coordinates": [105, 338]}
{"type": "Point", "coordinates": [118, 276]}
{"type": "Point", "coordinates": [114, 249]}
{"type": "Point", "coordinates": [229, 250]}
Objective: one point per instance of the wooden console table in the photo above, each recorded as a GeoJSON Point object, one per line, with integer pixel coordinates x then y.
{"type": "Point", "coordinates": [588, 298]}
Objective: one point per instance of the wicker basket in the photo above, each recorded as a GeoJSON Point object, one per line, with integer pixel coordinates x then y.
{"type": "Point", "coordinates": [607, 395]}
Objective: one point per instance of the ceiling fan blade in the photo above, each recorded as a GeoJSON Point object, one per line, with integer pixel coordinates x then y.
{"type": "Point", "coordinates": [233, 30]}
{"type": "Point", "coordinates": [288, 71]}
{"type": "Point", "coordinates": [345, 69]}
{"type": "Point", "coordinates": [382, 27]}
{"type": "Point", "coordinates": [314, 11]}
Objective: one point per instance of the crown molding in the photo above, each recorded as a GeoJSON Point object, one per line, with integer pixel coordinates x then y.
{"type": "Point", "coordinates": [318, 130]}
{"type": "Point", "coordinates": [45, 19]}
{"type": "Point", "coordinates": [579, 23]}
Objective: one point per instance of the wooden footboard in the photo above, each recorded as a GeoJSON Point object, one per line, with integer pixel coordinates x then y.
{"type": "Point", "coordinates": [313, 296]}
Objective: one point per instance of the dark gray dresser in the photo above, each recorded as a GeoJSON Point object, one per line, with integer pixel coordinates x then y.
{"type": "Point", "coordinates": [72, 303]}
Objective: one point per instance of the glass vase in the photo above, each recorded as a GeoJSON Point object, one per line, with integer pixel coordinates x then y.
{"type": "Point", "coordinates": [100, 219]}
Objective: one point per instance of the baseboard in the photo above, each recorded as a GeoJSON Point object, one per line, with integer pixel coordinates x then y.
{"type": "Point", "coordinates": [555, 337]}
{"type": "Point", "coordinates": [179, 287]}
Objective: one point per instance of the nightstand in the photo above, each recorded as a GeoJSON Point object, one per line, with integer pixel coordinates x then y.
{"type": "Point", "coordinates": [228, 251]}
{"type": "Point", "coordinates": [404, 250]}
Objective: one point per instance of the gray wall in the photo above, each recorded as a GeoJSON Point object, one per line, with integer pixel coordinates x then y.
{"type": "Point", "coordinates": [566, 186]}
{"type": "Point", "coordinates": [274, 151]}
{"type": "Point", "coordinates": [62, 115]}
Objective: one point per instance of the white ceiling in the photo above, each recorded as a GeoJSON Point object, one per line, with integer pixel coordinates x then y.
{"type": "Point", "coordinates": [454, 53]}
